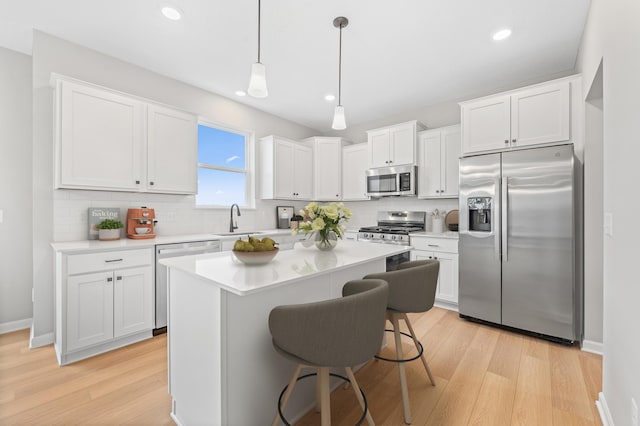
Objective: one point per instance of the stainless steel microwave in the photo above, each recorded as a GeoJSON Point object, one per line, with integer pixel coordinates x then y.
{"type": "Point", "coordinates": [388, 181]}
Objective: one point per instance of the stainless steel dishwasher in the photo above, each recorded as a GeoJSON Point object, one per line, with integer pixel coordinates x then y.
{"type": "Point", "coordinates": [164, 251]}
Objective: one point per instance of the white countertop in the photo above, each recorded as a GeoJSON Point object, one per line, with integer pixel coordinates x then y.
{"type": "Point", "coordinates": [224, 270]}
{"type": "Point", "coordinates": [447, 234]}
{"type": "Point", "coordinates": [127, 243]}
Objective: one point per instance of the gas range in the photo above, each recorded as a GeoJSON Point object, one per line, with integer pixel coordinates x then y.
{"type": "Point", "coordinates": [393, 227]}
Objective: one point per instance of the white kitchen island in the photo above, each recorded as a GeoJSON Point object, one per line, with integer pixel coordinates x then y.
{"type": "Point", "coordinates": [223, 369]}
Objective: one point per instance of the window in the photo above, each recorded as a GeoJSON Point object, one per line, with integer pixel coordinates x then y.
{"type": "Point", "coordinates": [224, 166]}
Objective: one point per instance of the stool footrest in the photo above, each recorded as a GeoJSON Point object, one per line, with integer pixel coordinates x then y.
{"type": "Point", "coordinates": [364, 398]}
{"type": "Point", "coordinates": [420, 350]}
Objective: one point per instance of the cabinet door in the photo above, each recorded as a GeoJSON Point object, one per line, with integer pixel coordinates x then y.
{"type": "Point", "coordinates": [355, 162]}
{"type": "Point", "coordinates": [447, 277]}
{"type": "Point", "coordinates": [379, 147]}
{"type": "Point", "coordinates": [89, 309]}
{"type": "Point", "coordinates": [133, 305]}
{"type": "Point", "coordinates": [429, 173]}
{"type": "Point", "coordinates": [486, 124]}
{"type": "Point", "coordinates": [327, 159]}
{"type": "Point", "coordinates": [283, 170]}
{"type": "Point", "coordinates": [172, 151]}
{"type": "Point", "coordinates": [449, 162]}
{"type": "Point", "coordinates": [403, 144]}
{"type": "Point", "coordinates": [303, 172]}
{"type": "Point", "coordinates": [100, 139]}
{"type": "Point", "coordinates": [540, 115]}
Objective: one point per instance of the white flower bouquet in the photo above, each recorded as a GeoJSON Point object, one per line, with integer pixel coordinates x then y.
{"type": "Point", "coordinates": [324, 219]}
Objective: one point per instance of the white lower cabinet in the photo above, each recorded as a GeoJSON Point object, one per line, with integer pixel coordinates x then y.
{"type": "Point", "coordinates": [89, 309]}
{"type": "Point", "coordinates": [444, 250]}
{"type": "Point", "coordinates": [104, 300]}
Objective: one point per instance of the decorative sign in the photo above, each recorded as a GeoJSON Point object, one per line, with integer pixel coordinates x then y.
{"type": "Point", "coordinates": [97, 215]}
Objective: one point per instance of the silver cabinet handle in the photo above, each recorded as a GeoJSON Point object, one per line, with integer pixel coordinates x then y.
{"type": "Point", "coordinates": [113, 260]}
{"type": "Point", "coordinates": [119, 278]}
{"type": "Point", "coordinates": [109, 279]}
{"type": "Point", "coordinates": [433, 245]}
{"type": "Point", "coordinates": [513, 140]}
{"type": "Point", "coordinates": [137, 182]}
{"type": "Point", "coordinates": [505, 223]}
{"type": "Point", "coordinates": [506, 141]}
{"type": "Point", "coordinates": [151, 183]}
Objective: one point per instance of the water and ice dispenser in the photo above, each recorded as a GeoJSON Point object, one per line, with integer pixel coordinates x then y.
{"type": "Point", "coordinates": [479, 214]}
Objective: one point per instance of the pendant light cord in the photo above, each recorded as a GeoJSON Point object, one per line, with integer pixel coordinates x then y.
{"type": "Point", "coordinates": [259, 31]}
{"type": "Point", "coordinates": [340, 69]}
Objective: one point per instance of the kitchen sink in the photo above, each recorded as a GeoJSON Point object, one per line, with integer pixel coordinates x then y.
{"type": "Point", "coordinates": [240, 234]}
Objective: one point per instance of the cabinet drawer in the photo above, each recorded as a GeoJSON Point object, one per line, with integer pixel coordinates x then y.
{"type": "Point", "coordinates": [448, 245]}
{"type": "Point", "coordinates": [107, 260]}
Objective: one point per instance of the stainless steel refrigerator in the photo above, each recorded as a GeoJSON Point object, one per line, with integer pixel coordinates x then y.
{"type": "Point", "coordinates": [517, 241]}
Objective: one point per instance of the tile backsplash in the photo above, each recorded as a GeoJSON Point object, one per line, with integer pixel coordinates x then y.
{"type": "Point", "coordinates": [177, 214]}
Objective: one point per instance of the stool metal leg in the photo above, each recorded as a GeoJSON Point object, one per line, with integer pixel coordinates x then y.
{"type": "Point", "coordinates": [325, 401]}
{"type": "Point", "coordinates": [356, 390]}
{"type": "Point", "coordinates": [415, 341]}
{"type": "Point", "coordinates": [403, 377]}
{"type": "Point", "coordinates": [287, 394]}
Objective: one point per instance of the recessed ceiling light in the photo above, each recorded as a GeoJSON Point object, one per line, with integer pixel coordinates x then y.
{"type": "Point", "coordinates": [502, 34]}
{"type": "Point", "coordinates": [171, 13]}
{"type": "Point", "coordinates": [241, 93]}
{"type": "Point", "coordinates": [330, 97]}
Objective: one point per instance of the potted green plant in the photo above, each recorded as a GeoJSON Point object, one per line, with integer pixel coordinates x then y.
{"type": "Point", "coordinates": [109, 230]}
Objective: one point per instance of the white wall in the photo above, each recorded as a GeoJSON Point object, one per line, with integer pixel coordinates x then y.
{"type": "Point", "coordinates": [593, 195]}
{"type": "Point", "coordinates": [15, 190]}
{"type": "Point", "coordinates": [612, 34]}
{"type": "Point", "coordinates": [61, 215]}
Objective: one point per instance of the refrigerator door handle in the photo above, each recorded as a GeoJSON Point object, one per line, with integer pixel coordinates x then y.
{"type": "Point", "coordinates": [504, 203]}
{"type": "Point", "coordinates": [495, 219]}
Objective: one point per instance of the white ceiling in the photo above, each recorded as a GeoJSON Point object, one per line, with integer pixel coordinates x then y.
{"type": "Point", "coordinates": [398, 55]}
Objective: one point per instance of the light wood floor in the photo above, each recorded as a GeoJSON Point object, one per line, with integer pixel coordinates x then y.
{"type": "Point", "coordinates": [484, 376]}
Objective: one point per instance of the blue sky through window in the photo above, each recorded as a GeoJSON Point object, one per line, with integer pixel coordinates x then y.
{"type": "Point", "coordinates": [220, 148]}
{"type": "Point", "coordinates": [220, 188]}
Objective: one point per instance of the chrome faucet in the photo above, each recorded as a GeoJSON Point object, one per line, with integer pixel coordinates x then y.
{"type": "Point", "coordinates": [232, 227]}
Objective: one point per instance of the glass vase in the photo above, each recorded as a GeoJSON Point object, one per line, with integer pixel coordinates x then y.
{"type": "Point", "coordinates": [326, 240]}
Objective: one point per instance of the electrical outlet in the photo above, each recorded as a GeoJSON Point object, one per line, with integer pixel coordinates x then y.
{"type": "Point", "coordinates": [634, 412]}
{"type": "Point", "coordinates": [608, 224]}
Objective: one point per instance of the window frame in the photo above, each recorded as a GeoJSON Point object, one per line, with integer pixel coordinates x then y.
{"type": "Point", "coordinates": [249, 167]}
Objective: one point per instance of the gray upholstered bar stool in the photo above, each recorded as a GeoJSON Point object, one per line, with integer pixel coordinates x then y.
{"type": "Point", "coordinates": [341, 333]}
{"type": "Point", "coordinates": [412, 288]}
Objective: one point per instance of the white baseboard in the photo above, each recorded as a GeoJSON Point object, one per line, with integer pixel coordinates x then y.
{"type": "Point", "coordinates": [446, 305]}
{"type": "Point", "coordinates": [43, 340]}
{"type": "Point", "coordinates": [8, 327]}
{"type": "Point", "coordinates": [593, 347]}
{"type": "Point", "coordinates": [603, 409]}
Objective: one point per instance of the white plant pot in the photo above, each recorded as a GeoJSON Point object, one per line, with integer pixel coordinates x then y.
{"type": "Point", "coordinates": [108, 234]}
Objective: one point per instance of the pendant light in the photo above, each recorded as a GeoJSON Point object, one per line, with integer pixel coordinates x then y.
{"type": "Point", "coordinates": [339, 122]}
{"type": "Point", "coordinates": [258, 81]}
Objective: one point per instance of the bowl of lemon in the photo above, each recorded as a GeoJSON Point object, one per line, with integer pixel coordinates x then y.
{"type": "Point", "coordinates": [255, 251]}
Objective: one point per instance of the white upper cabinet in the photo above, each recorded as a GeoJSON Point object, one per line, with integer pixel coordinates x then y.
{"type": "Point", "coordinates": [327, 167]}
{"type": "Point", "coordinates": [439, 152]}
{"type": "Point", "coordinates": [394, 145]}
{"type": "Point", "coordinates": [539, 114]}
{"type": "Point", "coordinates": [285, 169]}
{"type": "Point", "coordinates": [107, 140]}
{"type": "Point", "coordinates": [355, 162]}
{"type": "Point", "coordinates": [171, 154]}
{"type": "Point", "coordinates": [100, 139]}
